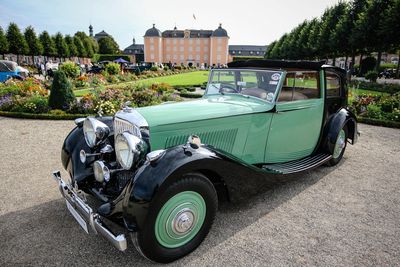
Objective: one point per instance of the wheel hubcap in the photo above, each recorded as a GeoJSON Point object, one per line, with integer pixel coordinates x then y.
{"type": "Point", "coordinates": [180, 219]}
{"type": "Point", "coordinates": [340, 144]}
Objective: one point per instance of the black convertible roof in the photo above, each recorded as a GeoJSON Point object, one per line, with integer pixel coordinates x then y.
{"type": "Point", "coordinates": [281, 64]}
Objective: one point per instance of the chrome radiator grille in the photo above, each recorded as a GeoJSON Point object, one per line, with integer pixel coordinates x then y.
{"type": "Point", "coordinates": [121, 126]}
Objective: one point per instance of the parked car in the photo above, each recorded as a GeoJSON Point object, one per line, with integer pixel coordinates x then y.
{"type": "Point", "coordinates": [11, 70]}
{"type": "Point", "coordinates": [160, 171]}
{"type": "Point", "coordinates": [388, 74]}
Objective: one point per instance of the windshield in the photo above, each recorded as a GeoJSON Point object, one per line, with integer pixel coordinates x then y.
{"type": "Point", "coordinates": [262, 84]}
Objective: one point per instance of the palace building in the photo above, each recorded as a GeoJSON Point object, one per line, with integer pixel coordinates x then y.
{"type": "Point", "coordinates": [187, 47]}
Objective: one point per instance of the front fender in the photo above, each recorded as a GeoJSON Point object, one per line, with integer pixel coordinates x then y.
{"type": "Point", "coordinates": [73, 144]}
{"type": "Point", "coordinates": [239, 179]}
{"type": "Point", "coordinates": [336, 123]}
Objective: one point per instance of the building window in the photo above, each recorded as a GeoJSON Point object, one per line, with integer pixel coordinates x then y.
{"type": "Point", "coordinates": [205, 57]}
{"type": "Point", "coordinates": [197, 48]}
{"type": "Point", "coordinates": [175, 57]}
{"type": "Point", "coordinates": [251, 52]}
{"type": "Point", "coordinates": [190, 48]}
{"type": "Point", "coordinates": [206, 48]}
{"type": "Point", "coordinates": [198, 41]}
{"type": "Point", "coordinates": [181, 41]}
{"type": "Point", "coordinates": [168, 57]}
{"type": "Point", "coordinates": [257, 52]}
{"type": "Point", "coordinates": [181, 57]}
{"type": "Point", "coordinates": [151, 47]}
{"type": "Point", "coordinates": [167, 41]}
{"type": "Point", "coordinates": [152, 40]}
{"type": "Point", "coordinates": [197, 57]}
{"type": "Point", "coordinates": [233, 52]}
{"type": "Point", "coordinates": [168, 48]}
{"type": "Point", "coordinates": [219, 48]}
{"type": "Point", "coordinates": [182, 49]}
{"type": "Point", "coordinates": [152, 56]}
{"type": "Point", "coordinates": [190, 41]}
{"type": "Point", "coordinates": [219, 40]}
{"type": "Point", "coordinates": [219, 57]}
{"type": "Point", "coordinates": [175, 48]}
{"type": "Point", "coordinates": [175, 41]}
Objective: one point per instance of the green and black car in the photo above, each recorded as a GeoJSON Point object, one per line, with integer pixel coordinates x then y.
{"type": "Point", "coordinates": [157, 173]}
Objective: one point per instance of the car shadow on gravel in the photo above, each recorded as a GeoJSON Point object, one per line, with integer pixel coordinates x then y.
{"type": "Point", "coordinates": [47, 234]}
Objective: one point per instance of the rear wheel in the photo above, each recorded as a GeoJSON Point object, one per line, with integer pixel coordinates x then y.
{"type": "Point", "coordinates": [340, 147]}
{"type": "Point", "coordinates": [179, 219]}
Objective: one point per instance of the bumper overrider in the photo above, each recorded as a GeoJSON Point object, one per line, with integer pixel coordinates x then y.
{"type": "Point", "coordinates": [84, 214]}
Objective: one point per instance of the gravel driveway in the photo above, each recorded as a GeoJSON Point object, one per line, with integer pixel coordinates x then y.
{"type": "Point", "coordinates": [347, 215]}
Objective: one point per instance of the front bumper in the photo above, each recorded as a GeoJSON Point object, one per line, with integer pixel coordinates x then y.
{"type": "Point", "coordinates": [85, 211]}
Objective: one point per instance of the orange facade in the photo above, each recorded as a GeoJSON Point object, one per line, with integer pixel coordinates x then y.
{"type": "Point", "coordinates": [188, 47]}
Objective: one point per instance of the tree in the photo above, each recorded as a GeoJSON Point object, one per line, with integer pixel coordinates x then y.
{"type": "Point", "coordinates": [369, 24]}
{"type": "Point", "coordinates": [269, 49]}
{"type": "Point", "coordinates": [312, 39]}
{"type": "Point", "coordinates": [356, 39]}
{"type": "Point", "coordinates": [16, 41]}
{"type": "Point", "coordinates": [89, 44]}
{"type": "Point", "coordinates": [81, 51]}
{"type": "Point", "coordinates": [107, 45]}
{"type": "Point", "coordinates": [3, 42]}
{"type": "Point", "coordinates": [34, 46]}
{"type": "Point", "coordinates": [49, 48]}
{"type": "Point", "coordinates": [389, 30]}
{"type": "Point", "coordinates": [73, 51]}
{"type": "Point", "coordinates": [61, 46]}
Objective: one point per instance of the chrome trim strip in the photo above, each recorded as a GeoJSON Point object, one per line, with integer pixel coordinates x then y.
{"type": "Point", "coordinates": [92, 218]}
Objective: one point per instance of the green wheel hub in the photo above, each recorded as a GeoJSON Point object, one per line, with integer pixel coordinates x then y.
{"type": "Point", "coordinates": [180, 219]}
{"type": "Point", "coordinates": [340, 144]}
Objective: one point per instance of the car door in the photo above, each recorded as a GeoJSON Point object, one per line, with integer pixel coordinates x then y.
{"type": "Point", "coordinates": [296, 124]}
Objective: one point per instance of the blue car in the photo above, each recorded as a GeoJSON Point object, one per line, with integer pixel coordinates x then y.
{"type": "Point", "coordinates": [8, 70]}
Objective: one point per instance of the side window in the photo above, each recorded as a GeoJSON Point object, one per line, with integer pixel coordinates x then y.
{"type": "Point", "coordinates": [300, 85]}
{"type": "Point", "coordinates": [332, 84]}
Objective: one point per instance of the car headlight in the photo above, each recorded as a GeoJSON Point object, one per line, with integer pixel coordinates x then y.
{"type": "Point", "coordinates": [101, 171]}
{"type": "Point", "coordinates": [129, 149]}
{"type": "Point", "coordinates": [95, 131]}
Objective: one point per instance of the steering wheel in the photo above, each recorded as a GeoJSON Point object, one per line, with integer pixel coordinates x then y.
{"type": "Point", "coordinates": [228, 88]}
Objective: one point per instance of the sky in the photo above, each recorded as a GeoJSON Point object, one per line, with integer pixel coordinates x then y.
{"type": "Point", "coordinates": [250, 22]}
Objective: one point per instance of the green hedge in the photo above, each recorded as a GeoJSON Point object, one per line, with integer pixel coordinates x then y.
{"type": "Point", "coordinates": [377, 122]}
{"type": "Point", "coordinates": [385, 88]}
{"type": "Point", "coordinates": [43, 116]}
{"type": "Point", "coordinates": [109, 57]}
{"type": "Point", "coordinates": [190, 95]}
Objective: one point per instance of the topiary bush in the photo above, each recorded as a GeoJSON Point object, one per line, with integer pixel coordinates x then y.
{"type": "Point", "coordinates": [154, 68]}
{"type": "Point", "coordinates": [113, 68]}
{"type": "Point", "coordinates": [61, 95]}
{"type": "Point", "coordinates": [367, 64]}
{"type": "Point", "coordinates": [70, 69]}
{"type": "Point", "coordinates": [371, 76]}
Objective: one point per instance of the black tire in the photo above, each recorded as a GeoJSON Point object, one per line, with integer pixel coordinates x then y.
{"type": "Point", "coordinates": [146, 241]}
{"type": "Point", "coordinates": [335, 160]}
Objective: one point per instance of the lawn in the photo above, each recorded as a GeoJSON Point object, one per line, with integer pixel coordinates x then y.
{"type": "Point", "coordinates": [184, 79]}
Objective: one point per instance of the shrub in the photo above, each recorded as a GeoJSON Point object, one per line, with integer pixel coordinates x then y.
{"type": "Point", "coordinates": [113, 68]}
{"type": "Point", "coordinates": [61, 95]}
{"type": "Point", "coordinates": [70, 69]}
{"type": "Point", "coordinates": [386, 88]}
{"type": "Point", "coordinates": [166, 68]}
{"type": "Point", "coordinates": [154, 68]}
{"type": "Point", "coordinates": [371, 76]}
{"type": "Point", "coordinates": [367, 64]}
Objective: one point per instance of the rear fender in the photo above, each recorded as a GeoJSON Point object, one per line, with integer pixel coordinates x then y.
{"type": "Point", "coordinates": [336, 123]}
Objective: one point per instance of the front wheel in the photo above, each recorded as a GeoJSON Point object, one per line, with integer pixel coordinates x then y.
{"type": "Point", "coordinates": [340, 147]}
{"type": "Point", "coordinates": [179, 219]}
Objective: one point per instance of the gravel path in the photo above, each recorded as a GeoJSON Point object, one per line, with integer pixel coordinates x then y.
{"type": "Point", "coordinates": [347, 215]}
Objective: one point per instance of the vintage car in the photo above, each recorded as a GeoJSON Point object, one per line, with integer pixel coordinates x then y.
{"type": "Point", "coordinates": [157, 173]}
{"type": "Point", "coordinates": [11, 70]}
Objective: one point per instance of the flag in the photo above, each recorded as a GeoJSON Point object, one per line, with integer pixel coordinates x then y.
{"type": "Point", "coordinates": [194, 16]}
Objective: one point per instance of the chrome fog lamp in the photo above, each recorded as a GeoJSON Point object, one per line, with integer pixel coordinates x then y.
{"type": "Point", "coordinates": [129, 149]}
{"type": "Point", "coordinates": [101, 171]}
{"type": "Point", "coordinates": [155, 155]}
{"type": "Point", "coordinates": [95, 131]}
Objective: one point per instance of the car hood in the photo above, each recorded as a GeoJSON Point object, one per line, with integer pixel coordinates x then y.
{"type": "Point", "coordinates": [208, 107]}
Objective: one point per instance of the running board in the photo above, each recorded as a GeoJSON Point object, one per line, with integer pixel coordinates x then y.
{"type": "Point", "coordinates": [297, 165]}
